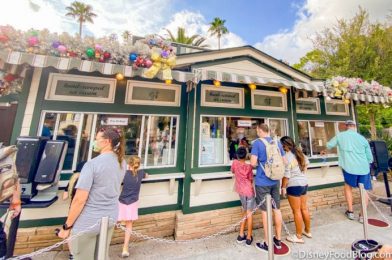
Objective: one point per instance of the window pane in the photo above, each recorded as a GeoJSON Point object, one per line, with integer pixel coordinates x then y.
{"type": "Point", "coordinates": [158, 142]}
{"type": "Point", "coordinates": [268, 101]}
{"type": "Point", "coordinates": [321, 132]}
{"type": "Point", "coordinates": [49, 125]}
{"type": "Point", "coordinates": [241, 132]}
{"type": "Point", "coordinates": [333, 107]}
{"type": "Point", "coordinates": [304, 140]}
{"type": "Point", "coordinates": [277, 128]}
{"type": "Point", "coordinates": [68, 131]}
{"type": "Point", "coordinates": [211, 141]}
{"type": "Point", "coordinates": [85, 138]}
{"type": "Point", "coordinates": [130, 126]}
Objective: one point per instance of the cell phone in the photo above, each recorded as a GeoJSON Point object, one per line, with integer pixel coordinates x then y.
{"type": "Point", "coordinates": [57, 231]}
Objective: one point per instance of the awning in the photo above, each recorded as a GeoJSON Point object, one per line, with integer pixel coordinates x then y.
{"type": "Point", "coordinates": [202, 74]}
{"type": "Point", "coordinates": [367, 98]}
{"type": "Point", "coordinates": [64, 63]}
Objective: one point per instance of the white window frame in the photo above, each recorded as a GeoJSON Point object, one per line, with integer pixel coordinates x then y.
{"type": "Point", "coordinates": [315, 100]}
{"type": "Point", "coordinates": [269, 93]}
{"type": "Point", "coordinates": [93, 131]}
{"type": "Point", "coordinates": [132, 83]}
{"type": "Point", "coordinates": [310, 137]}
{"type": "Point", "coordinates": [55, 77]}
{"type": "Point", "coordinates": [227, 162]}
{"type": "Point", "coordinates": [335, 101]}
{"type": "Point", "coordinates": [205, 103]}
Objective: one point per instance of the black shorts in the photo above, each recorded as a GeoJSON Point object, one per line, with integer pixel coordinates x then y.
{"type": "Point", "coordinates": [297, 191]}
{"type": "Point", "coordinates": [262, 191]}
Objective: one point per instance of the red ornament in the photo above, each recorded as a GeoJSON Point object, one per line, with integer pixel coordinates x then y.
{"type": "Point", "coordinates": [106, 55]}
{"type": "Point", "coordinates": [9, 77]}
{"type": "Point", "coordinates": [72, 54]}
{"type": "Point", "coordinates": [3, 38]}
{"type": "Point", "coordinates": [101, 59]}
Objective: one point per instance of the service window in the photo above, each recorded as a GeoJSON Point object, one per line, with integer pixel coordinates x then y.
{"type": "Point", "coordinates": [336, 107]}
{"type": "Point", "coordinates": [314, 135]}
{"type": "Point", "coordinates": [308, 105]}
{"type": "Point", "coordinates": [269, 100]}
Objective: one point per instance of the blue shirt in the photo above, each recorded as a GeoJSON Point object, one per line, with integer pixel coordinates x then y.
{"type": "Point", "coordinates": [259, 150]}
{"type": "Point", "coordinates": [354, 152]}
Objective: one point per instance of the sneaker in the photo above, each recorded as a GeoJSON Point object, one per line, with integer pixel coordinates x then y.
{"type": "Point", "coordinates": [349, 215]}
{"type": "Point", "coordinates": [360, 219]}
{"type": "Point", "coordinates": [306, 234]}
{"type": "Point", "coordinates": [124, 254]}
{"type": "Point", "coordinates": [70, 257]}
{"type": "Point", "coordinates": [277, 243]}
{"type": "Point", "coordinates": [295, 239]}
{"type": "Point", "coordinates": [248, 242]}
{"type": "Point", "coordinates": [240, 239]}
{"type": "Point", "coordinates": [263, 247]}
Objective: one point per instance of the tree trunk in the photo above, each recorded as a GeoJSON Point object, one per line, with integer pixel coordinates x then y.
{"type": "Point", "coordinates": [219, 41]}
{"type": "Point", "coordinates": [373, 130]}
{"type": "Point", "coordinates": [80, 27]}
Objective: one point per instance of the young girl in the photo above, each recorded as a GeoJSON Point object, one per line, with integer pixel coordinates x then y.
{"type": "Point", "coordinates": [128, 201]}
{"type": "Point", "coordinates": [295, 184]}
{"type": "Point", "coordinates": [244, 187]}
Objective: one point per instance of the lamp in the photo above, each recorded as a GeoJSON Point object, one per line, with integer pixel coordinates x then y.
{"type": "Point", "coordinates": [283, 90]}
{"type": "Point", "coordinates": [347, 101]}
{"type": "Point", "coordinates": [217, 83]}
{"type": "Point", "coordinates": [168, 81]}
{"type": "Point", "coordinates": [119, 76]}
{"type": "Point", "coordinates": [252, 86]}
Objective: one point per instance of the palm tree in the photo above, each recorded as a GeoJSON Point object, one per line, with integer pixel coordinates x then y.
{"type": "Point", "coordinates": [181, 37]}
{"type": "Point", "coordinates": [82, 13]}
{"type": "Point", "coordinates": [218, 28]}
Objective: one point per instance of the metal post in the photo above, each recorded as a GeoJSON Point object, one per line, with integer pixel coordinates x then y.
{"type": "Point", "coordinates": [103, 238]}
{"type": "Point", "coordinates": [362, 192]}
{"type": "Point", "coordinates": [269, 227]}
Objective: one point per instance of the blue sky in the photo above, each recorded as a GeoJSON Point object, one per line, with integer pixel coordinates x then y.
{"type": "Point", "coordinates": [282, 28]}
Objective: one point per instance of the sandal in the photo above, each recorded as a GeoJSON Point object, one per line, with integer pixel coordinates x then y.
{"type": "Point", "coordinates": [308, 235]}
{"type": "Point", "coordinates": [124, 254]}
{"type": "Point", "coordinates": [295, 239]}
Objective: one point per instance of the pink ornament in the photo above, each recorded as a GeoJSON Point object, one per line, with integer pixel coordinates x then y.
{"type": "Point", "coordinates": [147, 63]}
{"type": "Point", "coordinates": [32, 41]}
{"type": "Point", "coordinates": [98, 47]}
{"type": "Point", "coordinates": [62, 49]}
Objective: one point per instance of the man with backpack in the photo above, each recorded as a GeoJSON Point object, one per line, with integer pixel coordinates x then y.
{"type": "Point", "coordinates": [267, 156]}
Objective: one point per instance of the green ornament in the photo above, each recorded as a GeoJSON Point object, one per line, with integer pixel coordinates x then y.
{"type": "Point", "coordinates": [34, 33]}
{"type": "Point", "coordinates": [90, 52]}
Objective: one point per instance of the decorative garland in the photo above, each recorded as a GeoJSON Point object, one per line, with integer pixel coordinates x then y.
{"type": "Point", "coordinates": [10, 83]}
{"type": "Point", "coordinates": [342, 87]}
{"type": "Point", "coordinates": [152, 51]}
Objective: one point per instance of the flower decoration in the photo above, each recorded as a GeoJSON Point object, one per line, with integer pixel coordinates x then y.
{"type": "Point", "coordinates": [10, 83]}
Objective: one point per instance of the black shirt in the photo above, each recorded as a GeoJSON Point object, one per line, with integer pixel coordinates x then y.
{"type": "Point", "coordinates": [131, 187]}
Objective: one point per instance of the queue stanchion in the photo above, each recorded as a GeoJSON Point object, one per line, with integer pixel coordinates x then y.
{"type": "Point", "coordinates": [103, 238]}
{"type": "Point", "coordinates": [269, 227]}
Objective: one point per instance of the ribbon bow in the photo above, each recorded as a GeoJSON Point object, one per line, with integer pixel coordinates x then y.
{"type": "Point", "coordinates": [161, 63]}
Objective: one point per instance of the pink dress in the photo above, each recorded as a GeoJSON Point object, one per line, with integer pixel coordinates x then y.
{"type": "Point", "coordinates": [128, 212]}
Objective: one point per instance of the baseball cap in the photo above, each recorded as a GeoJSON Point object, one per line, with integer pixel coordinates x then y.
{"type": "Point", "coordinates": [350, 122]}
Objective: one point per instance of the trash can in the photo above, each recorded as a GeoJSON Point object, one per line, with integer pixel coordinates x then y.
{"type": "Point", "coordinates": [364, 248]}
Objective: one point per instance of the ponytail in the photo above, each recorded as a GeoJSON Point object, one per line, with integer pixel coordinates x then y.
{"type": "Point", "coordinates": [299, 155]}
{"type": "Point", "coordinates": [117, 141]}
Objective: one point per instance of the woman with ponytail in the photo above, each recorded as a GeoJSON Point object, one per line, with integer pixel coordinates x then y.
{"type": "Point", "coordinates": [97, 193]}
{"type": "Point", "coordinates": [295, 185]}
{"type": "Point", "coordinates": [128, 201]}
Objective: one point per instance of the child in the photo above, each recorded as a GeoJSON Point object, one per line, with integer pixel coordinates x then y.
{"type": "Point", "coordinates": [244, 187]}
{"type": "Point", "coordinates": [128, 201]}
{"type": "Point", "coordinates": [70, 190]}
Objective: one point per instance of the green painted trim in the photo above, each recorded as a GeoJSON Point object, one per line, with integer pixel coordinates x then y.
{"type": "Point", "coordinates": [330, 159]}
{"type": "Point", "coordinates": [326, 186]}
{"type": "Point", "coordinates": [42, 222]}
{"type": "Point", "coordinates": [22, 103]}
{"type": "Point", "coordinates": [209, 207]}
{"type": "Point", "coordinates": [65, 176]}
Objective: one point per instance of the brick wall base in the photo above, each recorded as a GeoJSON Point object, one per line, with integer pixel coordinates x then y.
{"type": "Point", "coordinates": [175, 223]}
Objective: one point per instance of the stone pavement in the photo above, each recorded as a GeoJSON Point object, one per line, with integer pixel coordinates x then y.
{"type": "Point", "coordinates": [332, 232]}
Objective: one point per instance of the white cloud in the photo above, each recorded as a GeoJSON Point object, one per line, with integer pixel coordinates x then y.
{"type": "Point", "coordinates": [315, 15]}
{"type": "Point", "coordinates": [195, 23]}
{"type": "Point", "coordinates": [140, 17]}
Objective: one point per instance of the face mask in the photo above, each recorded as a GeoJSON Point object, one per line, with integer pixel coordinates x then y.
{"type": "Point", "coordinates": [96, 147]}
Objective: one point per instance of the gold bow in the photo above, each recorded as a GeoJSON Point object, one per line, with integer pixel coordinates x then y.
{"type": "Point", "coordinates": [160, 63]}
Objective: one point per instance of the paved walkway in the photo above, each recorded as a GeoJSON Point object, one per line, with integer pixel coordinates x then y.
{"type": "Point", "coordinates": [332, 233]}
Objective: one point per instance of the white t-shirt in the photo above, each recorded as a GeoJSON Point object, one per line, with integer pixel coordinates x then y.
{"type": "Point", "coordinates": [293, 172]}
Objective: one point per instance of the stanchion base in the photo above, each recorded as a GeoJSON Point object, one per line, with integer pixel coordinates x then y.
{"type": "Point", "coordinates": [378, 223]}
{"type": "Point", "coordinates": [285, 250]}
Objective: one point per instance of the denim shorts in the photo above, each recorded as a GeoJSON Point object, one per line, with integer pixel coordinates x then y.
{"type": "Point", "coordinates": [353, 180]}
{"type": "Point", "coordinates": [297, 191]}
{"type": "Point", "coordinates": [248, 203]}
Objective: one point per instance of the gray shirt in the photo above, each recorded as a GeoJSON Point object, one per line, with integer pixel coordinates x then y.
{"type": "Point", "coordinates": [102, 177]}
{"type": "Point", "coordinates": [131, 187]}
{"type": "Point", "coordinates": [293, 172]}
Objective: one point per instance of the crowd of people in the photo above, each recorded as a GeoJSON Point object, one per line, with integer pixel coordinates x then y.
{"type": "Point", "coordinates": [108, 185]}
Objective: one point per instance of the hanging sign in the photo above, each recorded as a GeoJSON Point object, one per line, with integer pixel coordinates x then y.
{"type": "Point", "coordinates": [117, 121]}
